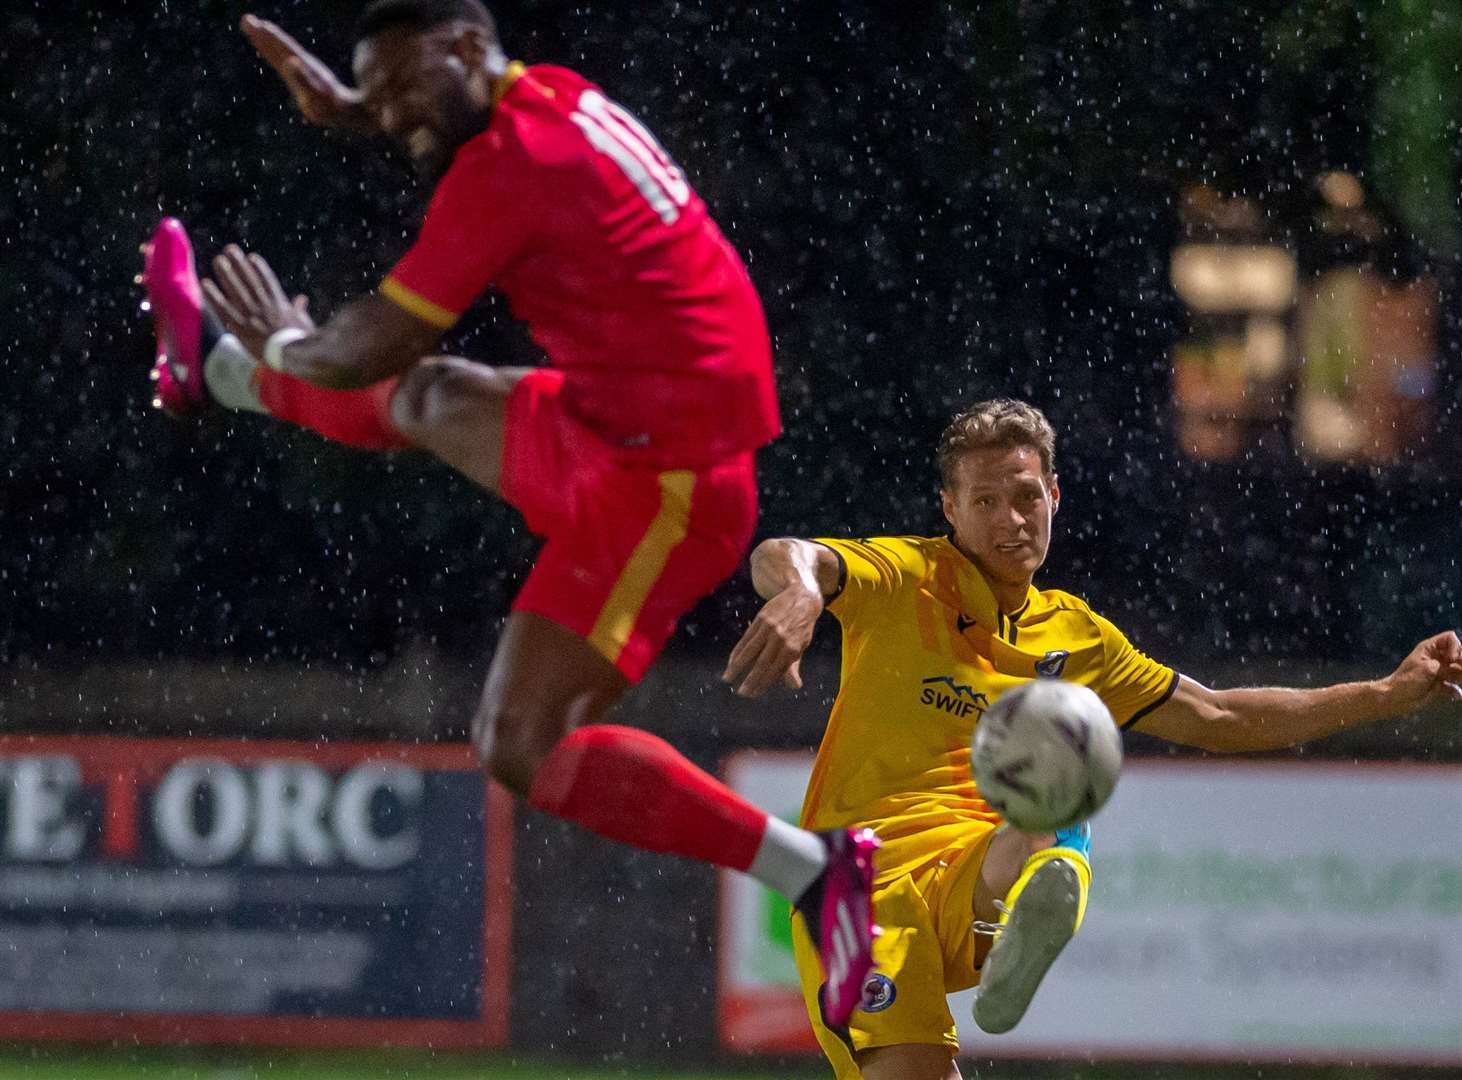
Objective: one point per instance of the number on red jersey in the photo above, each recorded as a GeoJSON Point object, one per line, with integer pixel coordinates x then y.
{"type": "Point", "coordinates": [628, 143]}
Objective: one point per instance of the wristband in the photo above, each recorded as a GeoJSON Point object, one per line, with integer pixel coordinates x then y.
{"type": "Point", "coordinates": [274, 346]}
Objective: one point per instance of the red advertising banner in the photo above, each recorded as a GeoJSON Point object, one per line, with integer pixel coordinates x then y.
{"type": "Point", "coordinates": [219, 891]}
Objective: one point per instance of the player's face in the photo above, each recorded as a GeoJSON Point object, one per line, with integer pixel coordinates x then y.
{"type": "Point", "coordinates": [1000, 506]}
{"type": "Point", "coordinates": [427, 91]}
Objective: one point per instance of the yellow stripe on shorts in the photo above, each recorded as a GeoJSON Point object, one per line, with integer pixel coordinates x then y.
{"type": "Point", "coordinates": [646, 563]}
{"type": "Point", "coordinates": [418, 305]}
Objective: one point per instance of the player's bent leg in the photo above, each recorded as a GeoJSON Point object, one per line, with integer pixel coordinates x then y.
{"type": "Point", "coordinates": [452, 407]}
{"type": "Point", "coordinates": [536, 730]}
{"type": "Point", "coordinates": [1041, 912]}
{"type": "Point", "coordinates": [907, 1061]}
{"type": "Point", "coordinates": [1005, 857]}
{"type": "Point", "coordinates": [545, 681]}
{"type": "Point", "coordinates": [629, 550]}
{"type": "Point", "coordinates": [456, 409]}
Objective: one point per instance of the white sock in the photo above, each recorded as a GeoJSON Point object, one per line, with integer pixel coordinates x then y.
{"type": "Point", "coordinates": [228, 372]}
{"type": "Point", "coordinates": [788, 859]}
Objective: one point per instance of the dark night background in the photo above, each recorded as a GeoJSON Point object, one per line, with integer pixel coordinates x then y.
{"type": "Point", "coordinates": [937, 205]}
{"type": "Point", "coordinates": [938, 202]}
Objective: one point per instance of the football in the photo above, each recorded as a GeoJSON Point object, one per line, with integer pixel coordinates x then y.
{"type": "Point", "coordinates": [1046, 755]}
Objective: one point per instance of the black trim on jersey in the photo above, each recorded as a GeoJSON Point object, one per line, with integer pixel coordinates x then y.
{"type": "Point", "coordinates": [842, 573]}
{"type": "Point", "coordinates": [1140, 713]}
{"type": "Point", "coordinates": [1013, 616]}
{"type": "Point", "coordinates": [1005, 624]}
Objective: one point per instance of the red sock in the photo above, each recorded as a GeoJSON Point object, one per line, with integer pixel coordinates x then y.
{"type": "Point", "coordinates": [355, 417]}
{"type": "Point", "coordinates": [630, 786]}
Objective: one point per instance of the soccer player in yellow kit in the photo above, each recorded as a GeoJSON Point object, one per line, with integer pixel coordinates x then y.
{"type": "Point", "coordinates": [934, 630]}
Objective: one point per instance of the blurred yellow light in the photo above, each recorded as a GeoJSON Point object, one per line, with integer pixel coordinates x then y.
{"type": "Point", "coordinates": [1216, 278]}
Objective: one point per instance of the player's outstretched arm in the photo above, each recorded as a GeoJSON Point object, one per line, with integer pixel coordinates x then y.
{"type": "Point", "coordinates": [320, 96]}
{"type": "Point", "coordinates": [1273, 718]}
{"type": "Point", "coordinates": [368, 340]}
{"type": "Point", "coordinates": [794, 577]}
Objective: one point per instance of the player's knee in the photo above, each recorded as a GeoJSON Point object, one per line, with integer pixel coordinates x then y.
{"type": "Point", "coordinates": [433, 393]}
{"type": "Point", "coordinates": [418, 395]}
{"type": "Point", "coordinates": [512, 742]}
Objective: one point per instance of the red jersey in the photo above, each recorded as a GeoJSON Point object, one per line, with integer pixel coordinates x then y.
{"type": "Point", "coordinates": [569, 206]}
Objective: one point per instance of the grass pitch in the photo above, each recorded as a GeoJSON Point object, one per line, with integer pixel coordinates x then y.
{"type": "Point", "coordinates": [52, 1062]}
{"type": "Point", "coordinates": [132, 1063]}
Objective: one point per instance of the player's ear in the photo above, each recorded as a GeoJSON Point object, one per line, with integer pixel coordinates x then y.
{"type": "Point", "coordinates": [946, 503]}
{"type": "Point", "coordinates": [470, 48]}
{"type": "Point", "coordinates": [470, 45]}
{"type": "Point", "coordinates": [1055, 493]}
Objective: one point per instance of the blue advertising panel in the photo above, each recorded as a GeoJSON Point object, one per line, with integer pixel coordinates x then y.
{"type": "Point", "coordinates": [226, 891]}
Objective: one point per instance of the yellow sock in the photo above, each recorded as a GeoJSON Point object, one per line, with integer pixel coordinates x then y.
{"type": "Point", "coordinates": [1038, 860]}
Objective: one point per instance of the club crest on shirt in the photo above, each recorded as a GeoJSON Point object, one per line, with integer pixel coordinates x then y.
{"type": "Point", "coordinates": [1052, 664]}
{"type": "Point", "coordinates": [955, 698]}
{"type": "Point", "coordinates": [879, 993]}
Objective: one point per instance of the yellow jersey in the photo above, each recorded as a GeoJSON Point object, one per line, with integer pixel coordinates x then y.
{"type": "Point", "coordinates": [926, 649]}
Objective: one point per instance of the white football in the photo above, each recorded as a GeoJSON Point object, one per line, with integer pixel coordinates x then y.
{"type": "Point", "coordinates": [1046, 755]}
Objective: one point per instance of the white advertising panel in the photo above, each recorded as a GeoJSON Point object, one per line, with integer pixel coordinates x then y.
{"type": "Point", "coordinates": [1240, 910]}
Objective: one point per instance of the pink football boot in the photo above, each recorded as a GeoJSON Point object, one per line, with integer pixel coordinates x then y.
{"type": "Point", "coordinates": [175, 300]}
{"type": "Point", "coordinates": [838, 909]}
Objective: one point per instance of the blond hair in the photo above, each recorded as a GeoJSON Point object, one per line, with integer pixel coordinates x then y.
{"type": "Point", "coordinates": [1002, 423]}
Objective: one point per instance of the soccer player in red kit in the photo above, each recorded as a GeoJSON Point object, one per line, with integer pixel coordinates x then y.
{"type": "Point", "coordinates": [632, 454]}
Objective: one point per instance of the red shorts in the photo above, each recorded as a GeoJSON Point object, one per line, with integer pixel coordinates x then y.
{"type": "Point", "coordinates": [630, 548]}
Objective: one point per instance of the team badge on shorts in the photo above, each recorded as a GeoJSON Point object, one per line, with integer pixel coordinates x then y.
{"type": "Point", "coordinates": [878, 993]}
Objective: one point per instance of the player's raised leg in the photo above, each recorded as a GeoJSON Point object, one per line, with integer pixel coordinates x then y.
{"type": "Point", "coordinates": [1044, 881]}
{"type": "Point", "coordinates": [449, 406]}
{"type": "Point", "coordinates": [456, 409]}
{"type": "Point", "coordinates": [200, 365]}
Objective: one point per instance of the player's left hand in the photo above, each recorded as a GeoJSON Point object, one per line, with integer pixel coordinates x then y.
{"type": "Point", "coordinates": [249, 301]}
{"type": "Point", "coordinates": [1431, 672]}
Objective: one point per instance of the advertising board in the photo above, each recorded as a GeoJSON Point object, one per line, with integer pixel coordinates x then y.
{"type": "Point", "coordinates": [1260, 911]}
{"type": "Point", "coordinates": [203, 891]}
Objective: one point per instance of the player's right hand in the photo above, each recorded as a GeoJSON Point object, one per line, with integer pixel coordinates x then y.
{"type": "Point", "coordinates": [772, 647]}
{"type": "Point", "coordinates": [321, 97]}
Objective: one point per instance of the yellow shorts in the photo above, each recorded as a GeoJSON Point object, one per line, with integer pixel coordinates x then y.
{"type": "Point", "coordinates": [926, 952]}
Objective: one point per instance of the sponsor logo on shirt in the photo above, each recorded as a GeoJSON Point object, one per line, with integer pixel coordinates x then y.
{"type": "Point", "coordinates": [957, 699]}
